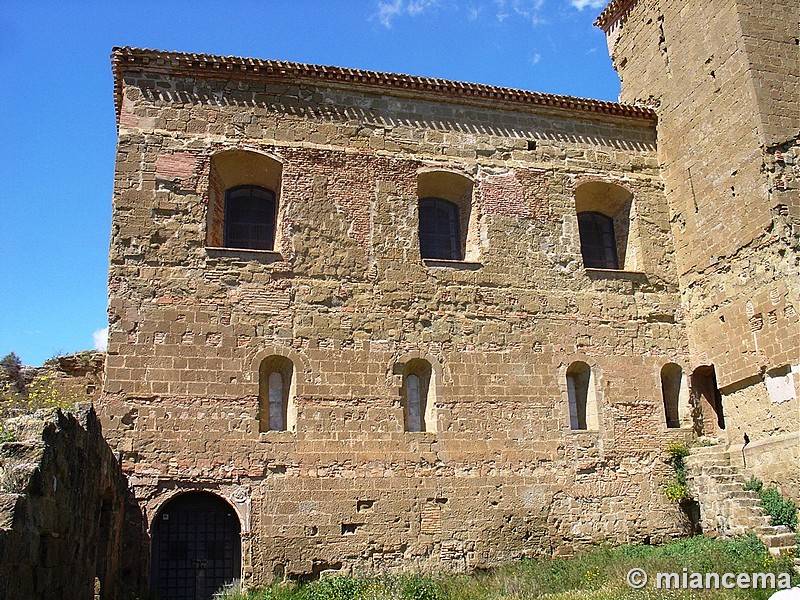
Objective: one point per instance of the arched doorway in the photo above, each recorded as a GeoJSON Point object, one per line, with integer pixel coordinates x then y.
{"type": "Point", "coordinates": [708, 400]}
{"type": "Point", "coordinates": [196, 547]}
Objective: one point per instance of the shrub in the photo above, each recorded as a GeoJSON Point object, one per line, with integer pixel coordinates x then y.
{"type": "Point", "coordinates": [753, 485]}
{"type": "Point", "coordinates": [11, 365]}
{"type": "Point", "coordinates": [678, 451]}
{"type": "Point", "coordinates": [6, 434]}
{"type": "Point", "coordinates": [337, 588]}
{"type": "Point", "coordinates": [675, 488]}
{"type": "Point", "coordinates": [42, 392]}
{"type": "Point", "coordinates": [277, 591]}
{"type": "Point", "coordinates": [675, 491]}
{"type": "Point", "coordinates": [781, 511]}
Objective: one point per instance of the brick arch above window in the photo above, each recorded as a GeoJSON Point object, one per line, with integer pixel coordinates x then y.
{"type": "Point", "coordinates": [438, 364]}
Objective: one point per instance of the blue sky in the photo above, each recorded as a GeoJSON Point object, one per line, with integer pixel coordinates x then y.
{"type": "Point", "coordinates": [57, 160]}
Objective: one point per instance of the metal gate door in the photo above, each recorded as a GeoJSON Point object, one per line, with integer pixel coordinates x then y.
{"type": "Point", "coordinates": [196, 547]}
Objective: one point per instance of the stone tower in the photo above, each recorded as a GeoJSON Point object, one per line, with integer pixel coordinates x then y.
{"type": "Point", "coordinates": [724, 79]}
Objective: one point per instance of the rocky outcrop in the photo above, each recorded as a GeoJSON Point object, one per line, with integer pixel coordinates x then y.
{"type": "Point", "coordinates": [68, 527]}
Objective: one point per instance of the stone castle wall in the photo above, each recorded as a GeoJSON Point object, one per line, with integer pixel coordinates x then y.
{"type": "Point", "coordinates": [346, 297]}
{"type": "Point", "coordinates": [725, 77]}
{"type": "Point", "coordinates": [69, 527]}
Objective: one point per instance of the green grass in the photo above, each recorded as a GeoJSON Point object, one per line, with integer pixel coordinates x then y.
{"type": "Point", "coordinates": [595, 575]}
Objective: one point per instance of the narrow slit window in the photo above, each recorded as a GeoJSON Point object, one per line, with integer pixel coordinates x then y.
{"type": "Point", "coordinates": [414, 404]}
{"type": "Point", "coordinates": [582, 409]}
{"type": "Point", "coordinates": [277, 420]}
{"type": "Point", "coordinates": [418, 396]}
{"type": "Point", "coordinates": [671, 376]}
{"type": "Point", "coordinates": [275, 411]}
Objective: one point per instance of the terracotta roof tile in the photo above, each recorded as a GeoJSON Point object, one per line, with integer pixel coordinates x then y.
{"type": "Point", "coordinates": [205, 65]}
{"type": "Point", "coordinates": [612, 12]}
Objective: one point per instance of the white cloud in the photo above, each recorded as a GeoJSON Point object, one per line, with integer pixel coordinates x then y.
{"type": "Point", "coordinates": [100, 338]}
{"type": "Point", "coordinates": [527, 9]}
{"type": "Point", "coordinates": [535, 58]}
{"type": "Point", "coordinates": [414, 7]}
{"type": "Point", "coordinates": [581, 4]}
{"type": "Point", "coordinates": [388, 11]}
{"type": "Point", "coordinates": [502, 13]}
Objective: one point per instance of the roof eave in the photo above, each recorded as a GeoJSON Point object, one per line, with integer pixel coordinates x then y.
{"type": "Point", "coordinates": [612, 13]}
{"type": "Point", "coordinates": [211, 66]}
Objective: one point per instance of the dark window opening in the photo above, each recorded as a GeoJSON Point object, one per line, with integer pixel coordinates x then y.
{"type": "Point", "coordinates": [250, 218]}
{"type": "Point", "coordinates": [671, 376]}
{"type": "Point", "coordinates": [598, 242]}
{"type": "Point", "coordinates": [439, 229]}
{"type": "Point", "coordinates": [708, 400]}
{"type": "Point", "coordinates": [351, 528]}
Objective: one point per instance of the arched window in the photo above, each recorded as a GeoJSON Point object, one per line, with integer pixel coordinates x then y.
{"type": "Point", "coordinates": [439, 229]}
{"type": "Point", "coordinates": [671, 380]}
{"type": "Point", "coordinates": [708, 398]}
{"type": "Point", "coordinates": [598, 242]}
{"type": "Point", "coordinates": [582, 399]}
{"type": "Point", "coordinates": [448, 228]}
{"type": "Point", "coordinates": [275, 385]}
{"type": "Point", "coordinates": [249, 218]}
{"type": "Point", "coordinates": [417, 396]}
{"type": "Point", "coordinates": [609, 237]}
{"type": "Point", "coordinates": [243, 200]}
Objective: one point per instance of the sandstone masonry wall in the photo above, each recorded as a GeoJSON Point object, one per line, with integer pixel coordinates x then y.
{"type": "Point", "coordinates": [346, 297]}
